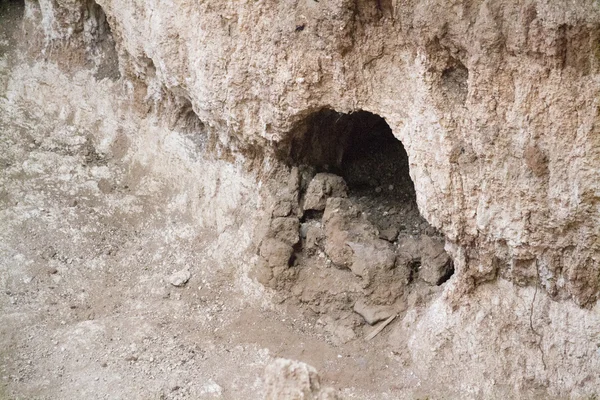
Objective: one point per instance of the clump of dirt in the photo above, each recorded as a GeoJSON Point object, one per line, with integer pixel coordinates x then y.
{"type": "Point", "coordinates": [345, 239]}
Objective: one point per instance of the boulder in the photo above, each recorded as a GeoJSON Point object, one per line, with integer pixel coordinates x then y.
{"type": "Point", "coordinates": [276, 252]}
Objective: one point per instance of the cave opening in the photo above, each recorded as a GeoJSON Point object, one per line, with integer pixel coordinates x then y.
{"type": "Point", "coordinates": [357, 157]}
{"type": "Point", "coordinates": [361, 148]}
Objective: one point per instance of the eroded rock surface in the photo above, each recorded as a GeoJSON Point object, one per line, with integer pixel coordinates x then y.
{"type": "Point", "coordinates": [494, 102]}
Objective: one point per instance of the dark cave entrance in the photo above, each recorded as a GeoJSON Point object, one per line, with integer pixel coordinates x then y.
{"type": "Point", "coordinates": [362, 149]}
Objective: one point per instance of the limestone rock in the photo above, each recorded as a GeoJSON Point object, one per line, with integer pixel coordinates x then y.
{"type": "Point", "coordinates": [294, 380]}
{"type": "Point", "coordinates": [500, 173]}
{"type": "Point", "coordinates": [211, 389]}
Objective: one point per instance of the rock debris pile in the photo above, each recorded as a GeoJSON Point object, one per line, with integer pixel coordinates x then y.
{"type": "Point", "coordinates": [351, 246]}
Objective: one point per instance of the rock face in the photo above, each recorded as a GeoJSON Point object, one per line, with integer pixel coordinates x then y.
{"type": "Point", "coordinates": [494, 102]}
{"type": "Point", "coordinates": [320, 188]}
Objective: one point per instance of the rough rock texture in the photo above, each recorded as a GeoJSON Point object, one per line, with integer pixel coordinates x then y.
{"type": "Point", "coordinates": [322, 187]}
{"type": "Point", "coordinates": [495, 102]}
{"type": "Point", "coordinates": [294, 380]}
{"type": "Point", "coordinates": [435, 263]}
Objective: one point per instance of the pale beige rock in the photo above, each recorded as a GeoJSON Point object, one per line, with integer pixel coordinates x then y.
{"type": "Point", "coordinates": [180, 278]}
{"type": "Point", "coordinates": [372, 313]}
{"type": "Point", "coordinates": [494, 101]}
{"type": "Point", "coordinates": [294, 380]}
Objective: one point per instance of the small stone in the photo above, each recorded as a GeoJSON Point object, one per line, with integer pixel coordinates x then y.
{"type": "Point", "coordinates": [180, 278]}
{"type": "Point", "coordinates": [372, 314]}
{"type": "Point", "coordinates": [389, 234]}
{"type": "Point", "coordinates": [211, 388]}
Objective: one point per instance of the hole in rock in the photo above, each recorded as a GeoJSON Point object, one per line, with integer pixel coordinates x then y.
{"type": "Point", "coordinates": [455, 80]}
{"type": "Point", "coordinates": [361, 148]}
{"type": "Point", "coordinates": [449, 271]}
{"type": "Point", "coordinates": [354, 166]}
{"type": "Point", "coordinates": [184, 118]}
{"type": "Point", "coordinates": [348, 243]}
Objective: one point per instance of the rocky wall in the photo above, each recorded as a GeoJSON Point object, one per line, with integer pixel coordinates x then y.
{"type": "Point", "coordinates": [494, 101]}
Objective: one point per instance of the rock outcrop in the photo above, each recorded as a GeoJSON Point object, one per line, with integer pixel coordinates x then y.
{"type": "Point", "coordinates": [495, 102]}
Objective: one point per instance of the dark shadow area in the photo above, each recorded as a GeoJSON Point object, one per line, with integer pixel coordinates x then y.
{"type": "Point", "coordinates": [11, 15]}
{"type": "Point", "coordinates": [362, 149]}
